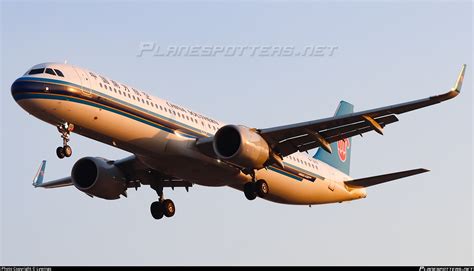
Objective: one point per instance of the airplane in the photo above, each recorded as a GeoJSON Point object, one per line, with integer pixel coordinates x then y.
{"type": "Point", "coordinates": [173, 146]}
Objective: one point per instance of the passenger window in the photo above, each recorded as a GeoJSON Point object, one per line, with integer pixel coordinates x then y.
{"type": "Point", "coordinates": [115, 83]}
{"type": "Point", "coordinates": [59, 73]}
{"type": "Point", "coordinates": [50, 71]}
{"type": "Point", "coordinates": [36, 71]}
{"type": "Point", "coordinates": [104, 80]}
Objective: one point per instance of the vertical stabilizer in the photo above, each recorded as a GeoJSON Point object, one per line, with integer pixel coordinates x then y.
{"type": "Point", "coordinates": [340, 158]}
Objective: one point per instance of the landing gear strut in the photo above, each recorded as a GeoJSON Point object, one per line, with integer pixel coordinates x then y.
{"type": "Point", "coordinates": [255, 188]}
{"type": "Point", "coordinates": [65, 129]}
{"type": "Point", "coordinates": [162, 207]}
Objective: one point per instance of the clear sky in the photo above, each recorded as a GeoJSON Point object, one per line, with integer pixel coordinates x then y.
{"type": "Point", "coordinates": [386, 53]}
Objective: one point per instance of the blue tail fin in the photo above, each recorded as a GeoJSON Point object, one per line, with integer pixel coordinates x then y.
{"type": "Point", "coordinates": [340, 158]}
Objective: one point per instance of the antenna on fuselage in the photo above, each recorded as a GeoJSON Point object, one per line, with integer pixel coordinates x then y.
{"type": "Point", "coordinates": [65, 61]}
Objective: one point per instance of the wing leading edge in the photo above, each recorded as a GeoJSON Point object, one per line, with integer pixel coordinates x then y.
{"type": "Point", "coordinates": [135, 172]}
{"type": "Point", "coordinates": [303, 136]}
{"type": "Point", "coordinates": [38, 180]}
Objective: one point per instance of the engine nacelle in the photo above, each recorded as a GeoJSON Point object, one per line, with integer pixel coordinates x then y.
{"type": "Point", "coordinates": [98, 177]}
{"type": "Point", "coordinates": [241, 146]}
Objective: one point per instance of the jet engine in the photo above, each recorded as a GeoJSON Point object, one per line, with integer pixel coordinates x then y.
{"type": "Point", "coordinates": [98, 177]}
{"type": "Point", "coordinates": [241, 146]}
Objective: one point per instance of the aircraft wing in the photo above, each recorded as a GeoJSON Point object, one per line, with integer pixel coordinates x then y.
{"type": "Point", "coordinates": [136, 173]}
{"type": "Point", "coordinates": [304, 136]}
{"type": "Point", "coordinates": [39, 177]}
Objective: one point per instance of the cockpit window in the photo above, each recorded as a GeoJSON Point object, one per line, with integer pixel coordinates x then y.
{"type": "Point", "coordinates": [36, 71]}
{"type": "Point", "coordinates": [50, 71]}
{"type": "Point", "coordinates": [58, 72]}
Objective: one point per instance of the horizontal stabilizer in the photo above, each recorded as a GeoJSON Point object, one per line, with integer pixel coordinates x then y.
{"type": "Point", "coordinates": [370, 181]}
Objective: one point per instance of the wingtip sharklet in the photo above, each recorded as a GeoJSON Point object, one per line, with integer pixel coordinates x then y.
{"type": "Point", "coordinates": [455, 90]}
{"type": "Point", "coordinates": [38, 179]}
{"type": "Point", "coordinates": [458, 85]}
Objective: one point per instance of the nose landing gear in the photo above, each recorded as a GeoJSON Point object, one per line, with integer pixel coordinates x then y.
{"type": "Point", "coordinates": [65, 151]}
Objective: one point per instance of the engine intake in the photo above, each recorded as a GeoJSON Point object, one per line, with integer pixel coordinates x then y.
{"type": "Point", "coordinates": [242, 146]}
{"type": "Point", "coordinates": [98, 177]}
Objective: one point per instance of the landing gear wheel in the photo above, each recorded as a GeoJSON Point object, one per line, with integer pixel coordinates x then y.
{"type": "Point", "coordinates": [65, 130]}
{"type": "Point", "coordinates": [156, 210]}
{"type": "Point", "coordinates": [67, 150]}
{"type": "Point", "coordinates": [168, 208]}
{"type": "Point", "coordinates": [249, 191]}
{"type": "Point", "coordinates": [261, 188]}
{"type": "Point", "coordinates": [60, 152]}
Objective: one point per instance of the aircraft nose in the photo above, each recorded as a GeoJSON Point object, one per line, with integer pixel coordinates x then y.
{"type": "Point", "coordinates": [21, 88]}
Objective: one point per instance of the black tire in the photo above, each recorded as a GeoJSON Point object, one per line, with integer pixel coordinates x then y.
{"type": "Point", "coordinates": [156, 210]}
{"type": "Point", "coordinates": [168, 208]}
{"type": "Point", "coordinates": [249, 191]}
{"type": "Point", "coordinates": [60, 152]}
{"type": "Point", "coordinates": [67, 150]}
{"type": "Point", "coordinates": [262, 188]}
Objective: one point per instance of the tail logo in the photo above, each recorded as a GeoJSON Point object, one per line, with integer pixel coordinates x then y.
{"type": "Point", "coordinates": [342, 147]}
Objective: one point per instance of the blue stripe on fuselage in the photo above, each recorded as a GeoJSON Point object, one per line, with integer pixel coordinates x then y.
{"type": "Point", "coordinates": [190, 131]}
{"type": "Point", "coordinates": [29, 95]}
{"type": "Point", "coordinates": [81, 101]}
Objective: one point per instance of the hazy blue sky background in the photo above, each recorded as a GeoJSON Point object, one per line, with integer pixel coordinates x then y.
{"type": "Point", "coordinates": [388, 53]}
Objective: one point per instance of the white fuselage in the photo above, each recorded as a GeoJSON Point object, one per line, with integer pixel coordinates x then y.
{"type": "Point", "coordinates": [163, 135]}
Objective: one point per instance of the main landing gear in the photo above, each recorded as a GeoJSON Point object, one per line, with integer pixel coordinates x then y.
{"type": "Point", "coordinates": [255, 188]}
{"type": "Point", "coordinates": [162, 207]}
{"type": "Point", "coordinates": [65, 129]}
